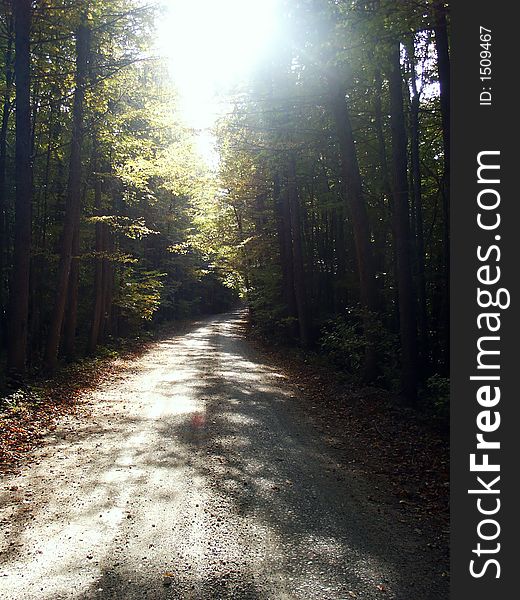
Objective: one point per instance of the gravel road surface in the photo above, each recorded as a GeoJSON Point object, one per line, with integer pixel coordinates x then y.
{"type": "Point", "coordinates": [197, 477]}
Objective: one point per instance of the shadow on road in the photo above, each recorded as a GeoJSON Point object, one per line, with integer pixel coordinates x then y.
{"type": "Point", "coordinates": [220, 489]}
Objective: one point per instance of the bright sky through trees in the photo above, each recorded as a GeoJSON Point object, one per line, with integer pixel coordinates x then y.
{"type": "Point", "coordinates": [211, 45]}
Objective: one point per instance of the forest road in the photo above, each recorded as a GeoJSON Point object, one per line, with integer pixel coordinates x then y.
{"type": "Point", "coordinates": [197, 477]}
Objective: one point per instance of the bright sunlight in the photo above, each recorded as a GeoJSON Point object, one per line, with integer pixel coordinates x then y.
{"type": "Point", "coordinates": [210, 47]}
{"type": "Point", "coordinates": [224, 299]}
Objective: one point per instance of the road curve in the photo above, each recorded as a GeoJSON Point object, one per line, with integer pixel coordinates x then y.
{"type": "Point", "coordinates": [196, 477]}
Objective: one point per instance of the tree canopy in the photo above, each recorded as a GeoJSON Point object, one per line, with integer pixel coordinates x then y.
{"type": "Point", "coordinates": [328, 211]}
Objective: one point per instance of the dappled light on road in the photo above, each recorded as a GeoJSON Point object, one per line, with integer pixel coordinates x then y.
{"type": "Point", "coordinates": [194, 478]}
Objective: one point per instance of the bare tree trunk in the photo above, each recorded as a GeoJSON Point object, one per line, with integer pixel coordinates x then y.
{"type": "Point", "coordinates": [97, 315]}
{"type": "Point", "coordinates": [40, 268]}
{"type": "Point", "coordinates": [386, 188]}
{"type": "Point", "coordinates": [407, 312]}
{"type": "Point", "coordinates": [340, 252]}
{"type": "Point", "coordinates": [19, 289]}
{"type": "Point", "coordinates": [107, 323]}
{"type": "Point", "coordinates": [6, 111]}
{"type": "Point", "coordinates": [283, 221]}
{"type": "Point", "coordinates": [299, 273]}
{"type": "Point", "coordinates": [422, 315]}
{"type": "Point", "coordinates": [443, 65]}
{"type": "Point", "coordinates": [71, 315]}
{"type": "Point", "coordinates": [73, 203]}
{"type": "Point", "coordinates": [358, 211]}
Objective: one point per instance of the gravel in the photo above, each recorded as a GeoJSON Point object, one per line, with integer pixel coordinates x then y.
{"type": "Point", "coordinates": [196, 477]}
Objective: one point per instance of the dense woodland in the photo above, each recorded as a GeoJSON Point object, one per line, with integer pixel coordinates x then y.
{"type": "Point", "coordinates": [97, 180]}
{"type": "Point", "coordinates": [335, 175]}
{"type": "Point", "coordinates": [328, 213]}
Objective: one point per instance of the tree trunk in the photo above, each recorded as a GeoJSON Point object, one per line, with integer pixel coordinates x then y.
{"type": "Point", "coordinates": [422, 315]}
{"type": "Point", "coordinates": [19, 289]}
{"type": "Point", "coordinates": [97, 315]}
{"type": "Point", "coordinates": [71, 316]}
{"type": "Point", "coordinates": [358, 211]}
{"type": "Point", "coordinates": [6, 111]}
{"type": "Point", "coordinates": [340, 252]}
{"type": "Point", "coordinates": [389, 257]}
{"type": "Point", "coordinates": [73, 202]}
{"type": "Point", "coordinates": [443, 65]}
{"type": "Point", "coordinates": [299, 273]}
{"type": "Point", "coordinates": [407, 312]}
{"type": "Point", "coordinates": [283, 222]}
{"type": "Point", "coordinates": [107, 324]}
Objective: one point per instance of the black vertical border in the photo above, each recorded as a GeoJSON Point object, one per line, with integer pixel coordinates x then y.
{"type": "Point", "coordinates": [477, 128]}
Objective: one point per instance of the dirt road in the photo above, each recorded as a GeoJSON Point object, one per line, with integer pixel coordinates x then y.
{"type": "Point", "coordinates": [196, 477]}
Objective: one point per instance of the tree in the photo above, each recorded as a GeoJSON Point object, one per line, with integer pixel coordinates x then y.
{"type": "Point", "coordinates": [360, 224]}
{"type": "Point", "coordinates": [73, 205]}
{"type": "Point", "coordinates": [19, 286]}
{"type": "Point", "coordinates": [4, 130]}
{"type": "Point", "coordinates": [328, 211]}
{"type": "Point", "coordinates": [368, 185]}
{"type": "Point", "coordinates": [407, 304]}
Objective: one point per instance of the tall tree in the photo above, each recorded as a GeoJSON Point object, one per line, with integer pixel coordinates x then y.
{"type": "Point", "coordinates": [19, 287]}
{"type": "Point", "coordinates": [407, 303]}
{"type": "Point", "coordinates": [417, 216]}
{"type": "Point", "coordinates": [297, 254]}
{"type": "Point", "coordinates": [283, 221]}
{"type": "Point", "coordinates": [358, 211]}
{"type": "Point", "coordinates": [73, 203]}
{"type": "Point", "coordinates": [443, 65]}
{"type": "Point", "coordinates": [4, 130]}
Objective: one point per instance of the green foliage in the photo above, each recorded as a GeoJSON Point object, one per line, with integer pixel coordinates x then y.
{"type": "Point", "coordinates": [162, 236]}
{"type": "Point", "coordinates": [134, 229]}
{"type": "Point", "coordinates": [345, 340]}
{"type": "Point", "coordinates": [283, 190]}
{"type": "Point", "coordinates": [140, 294]}
{"type": "Point", "coordinates": [145, 190]}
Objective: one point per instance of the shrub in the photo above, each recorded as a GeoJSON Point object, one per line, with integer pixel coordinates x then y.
{"type": "Point", "coordinates": [345, 341]}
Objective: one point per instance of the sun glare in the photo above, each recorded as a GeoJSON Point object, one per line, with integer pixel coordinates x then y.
{"type": "Point", "coordinates": [210, 46]}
